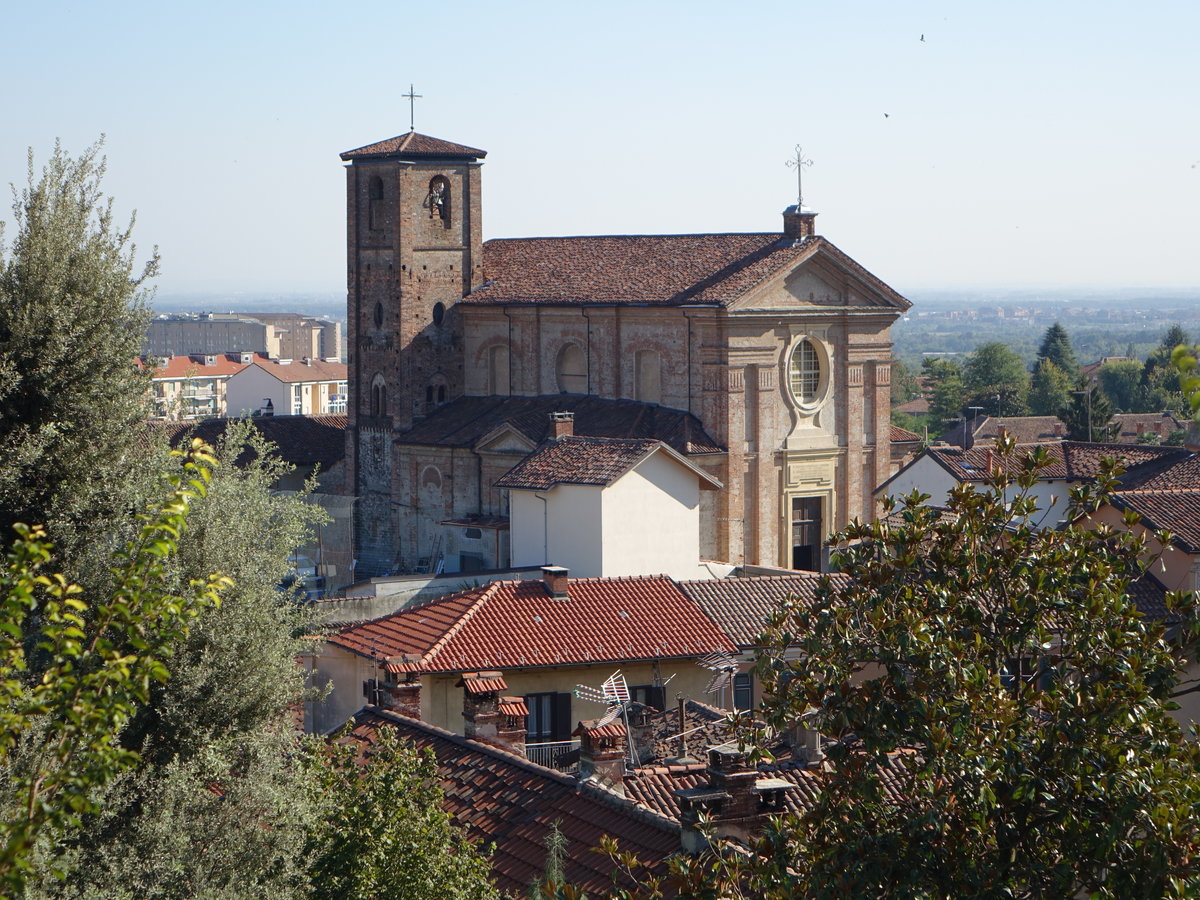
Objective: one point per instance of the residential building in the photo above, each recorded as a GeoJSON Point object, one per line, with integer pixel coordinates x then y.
{"type": "Point", "coordinates": [183, 334]}
{"type": "Point", "coordinates": [194, 387]}
{"type": "Point", "coordinates": [938, 469]}
{"type": "Point", "coordinates": [286, 387]}
{"type": "Point", "coordinates": [545, 636]}
{"type": "Point", "coordinates": [605, 507]}
{"type": "Point", "coordinates": [300, 336]}
{"type": "Point", "coordinates": [772, 348]}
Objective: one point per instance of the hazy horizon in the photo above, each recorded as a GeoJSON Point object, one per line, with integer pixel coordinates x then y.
{"type": "Point", "coordinates": [1015, 147]}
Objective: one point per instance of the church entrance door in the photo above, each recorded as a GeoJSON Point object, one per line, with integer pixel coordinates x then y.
{"type": "Point", "coordinates": [807, 533]}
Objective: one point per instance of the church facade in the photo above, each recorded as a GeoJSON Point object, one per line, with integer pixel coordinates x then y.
{"type": "Point", "coordinates": [764, 358]}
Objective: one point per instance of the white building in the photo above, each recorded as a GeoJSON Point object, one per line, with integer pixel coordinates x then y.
{"type": "Point", "coordinates": [606, 507]}
{"type": "Point", "coordinates": [285, 387]}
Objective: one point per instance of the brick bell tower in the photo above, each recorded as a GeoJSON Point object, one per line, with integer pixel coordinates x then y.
{"type": "Point", "coordinates": [413, 249]}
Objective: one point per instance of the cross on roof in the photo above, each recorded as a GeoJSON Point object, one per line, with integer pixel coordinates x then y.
{"type": "Point", "coordinates": [800, 163]}
{"type": "Point", "coordinates": [412, 97]}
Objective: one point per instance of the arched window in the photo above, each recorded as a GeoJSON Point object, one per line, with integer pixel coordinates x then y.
{"type": "Point", "coordinates": [498, 370]}
{"type": "Point", "coordinates": [439, 313]}
{"type": "Point", "coordinates": [378, 315]}
{"type": "Point", "coordinates": [437, 201]}
{"type": "Point", "coordinates": [648, 376]}
{"type": "Point", "coordinates": [375, 203]}
{"type": "Point", "coordinates": [378, 396]}
{"type": "Point", "coordinates": [804, 372]}
{"type": "Point", "coordinates": [571, 370]}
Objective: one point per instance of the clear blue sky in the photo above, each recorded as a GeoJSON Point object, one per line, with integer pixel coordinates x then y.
{"type": "Point", "coordinates": [1021, 144]}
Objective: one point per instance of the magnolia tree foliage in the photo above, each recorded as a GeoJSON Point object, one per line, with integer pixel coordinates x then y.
{"type": "Point", "coordinates": [1000, 708]}
{"type": "Point", "coordinates": [97, 659]}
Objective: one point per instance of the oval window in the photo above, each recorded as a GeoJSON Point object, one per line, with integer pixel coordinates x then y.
{"type": "Point", "coordinates": [804, 372]}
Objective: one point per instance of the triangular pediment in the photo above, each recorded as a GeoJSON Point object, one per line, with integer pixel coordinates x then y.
{"type": "Point", "coordinates": [821, 279]}
{"type": "Point", "coordinates": [504, 438]}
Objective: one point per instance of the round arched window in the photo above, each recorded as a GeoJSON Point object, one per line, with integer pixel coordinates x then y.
{"type": "Point", "coordinates": [804, 372]}
{"type": "Point", "coordinates": [439, 313]}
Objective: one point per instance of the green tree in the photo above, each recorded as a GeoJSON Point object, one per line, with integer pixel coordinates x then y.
{"type": "Point", "coordinates": [72, 320]}
{"type": "Point", "coordinates": [1013, 735]}
{"type": "Point", "coordinates": [1121, 382]}
{"type": "Point", "coordinates": [98, 657]}
{"type": "Point", "coordinates": [1089, 416]}
{"type": "Point", "coordinates": [384, 833]}
{"type": "Point", "coordinates": [1056, 347]}
{"type": "Point", "coordinates": [905, 386]}
{"type": "Point", "coordinates": [996, 379]}
{"type": "Point", "coordinates": [218, 762]}
{"type": "Point", "coordinates": [1050, 390]}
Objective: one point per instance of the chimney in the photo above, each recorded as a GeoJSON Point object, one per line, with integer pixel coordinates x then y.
{"type": "Point", "coordinates": [602, 753]}
{"type": "Point", "coordinates": [555, 580]}
{"type": "Point", "coordinates": [268, 408]}
{"type": "Point", "coordinates": [1140, 429]}
{"type": "Point", "coordinates": [562, 424]}
{"type": "Point", "coordinates": [490, 718]}
{"type": "Point", "coordinates": [798, 223]}
{"type": "Point", "coordinates": [1059, 428]}
{"type": "Point", "coordinates": [737, 799]}
{"type": "Point", "coordinates": [1192, 441]}
{"type": "Point", "coordinates": [805, 742]}
{"type": "Point", "coordinates": [403, 696]}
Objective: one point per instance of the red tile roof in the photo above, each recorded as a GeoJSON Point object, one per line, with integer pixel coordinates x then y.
{"type": "Point", "coordinates": [1069, 460]}
{"type": "Point", "coordinates": [578, 460]}
{"type": "Point", "coordinates": [1175, 511]}
{"type": "Point", "coordinates": [504, 799]}
{"type": "Point", "coordinates": [299, 371]}
{"type": "Point", "coordinates": [463, 422]}
{"type": "Point", "coordinates": [742, 606]}
{"type": "Point", "coordinates": [223, 366]}
{"type": "Point", "coordinates": [1022, 429]}
{"type": "Point", "coordinates": [575, 459]}
{"type": "Point", "coordinates": [654, 270]}
{"type": "Point", "coordinates": [416, 146]}
{"type": "Point", "coordinates": [904, 436]}
{"type": "Point", "coordinates": [519, 624]}
{"type": "Point", "coordinates": [1133, 425]}
{"type": "Point", "coordinates": [303, 441]}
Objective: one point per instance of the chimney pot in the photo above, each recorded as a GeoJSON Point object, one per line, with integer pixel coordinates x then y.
{"type": "Point", "coordinates": [555, 579]}
{"type": "Point", "coordinates": [799, 223]}
{"type": "Point", "coordinates": [562, 424]}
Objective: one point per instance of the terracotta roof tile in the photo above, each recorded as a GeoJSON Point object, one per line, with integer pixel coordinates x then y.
{"type": "Point", "coordinates": [519, 624]}
{"type": "Point", "coordinates": [741, 606]}
{"type": "Point", "coordinates": [904, 436]}
{"type": "Point", "coordinates": [577, 460]}
{"type": "Point", "coordinates": [1132, 425]}
{"type": "Point", "coordinates": [652, 270]}
{"type": "Point", "coordinates": [302, 440]}
{"type": "Point", "coordinates": [504, 799]}
{"type": "Point", "coordinates": [1022, 429]}
{"type": "Point", "coordinates": [463, 422]}
{"type": "Point", "coordinates": [1070, 460]}
{"type": "Point", "coordinates": [299, 371]}
{"type": "Point", "coordinates": [224, 365]}
{"type": "Point", "coordinates": [1176, 511]}
{"type": "Point", "coordinates": [414, 145]}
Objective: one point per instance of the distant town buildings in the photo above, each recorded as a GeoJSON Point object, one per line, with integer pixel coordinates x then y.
{"type": "Point", "coordinates": [276, 335]}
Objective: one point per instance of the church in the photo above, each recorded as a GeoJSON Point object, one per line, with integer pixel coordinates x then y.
{"type": "Point", "coordinates": [762, 359]}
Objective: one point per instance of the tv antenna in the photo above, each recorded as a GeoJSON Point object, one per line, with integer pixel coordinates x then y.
{"type": "Point", "coordinates": [724, 667]}
{"type": "Point", "coordinates": [613, 693]}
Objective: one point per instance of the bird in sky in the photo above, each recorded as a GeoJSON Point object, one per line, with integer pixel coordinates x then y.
{"type": "Point", "coordinates": [922, 39]}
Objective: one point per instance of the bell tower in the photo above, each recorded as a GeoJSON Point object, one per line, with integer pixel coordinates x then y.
{"type": "Point", "coordinates": [413, 249]}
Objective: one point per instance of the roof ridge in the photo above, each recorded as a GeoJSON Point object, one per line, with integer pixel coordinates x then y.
{"type": "Point", "coordinates": [488, 592]}
{"type": "Point", "coordinates": [599, 792]}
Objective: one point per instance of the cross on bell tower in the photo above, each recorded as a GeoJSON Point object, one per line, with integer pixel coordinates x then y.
{"type": "Point", "coordinates": [412, 97]}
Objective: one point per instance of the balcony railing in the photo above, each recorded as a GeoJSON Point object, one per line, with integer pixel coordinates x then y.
{"type": "Point", "coordinates": [554, 755]}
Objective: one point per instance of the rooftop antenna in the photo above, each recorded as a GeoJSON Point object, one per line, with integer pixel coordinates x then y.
{"type": "Point", "coordinates": [724, 667]}
{"type": "Point", "coordinates": [800, 163]}
{"type": "Point", "coordinates": [613, 693]}
{"type": "Point", "coordinates": [412, 97]}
